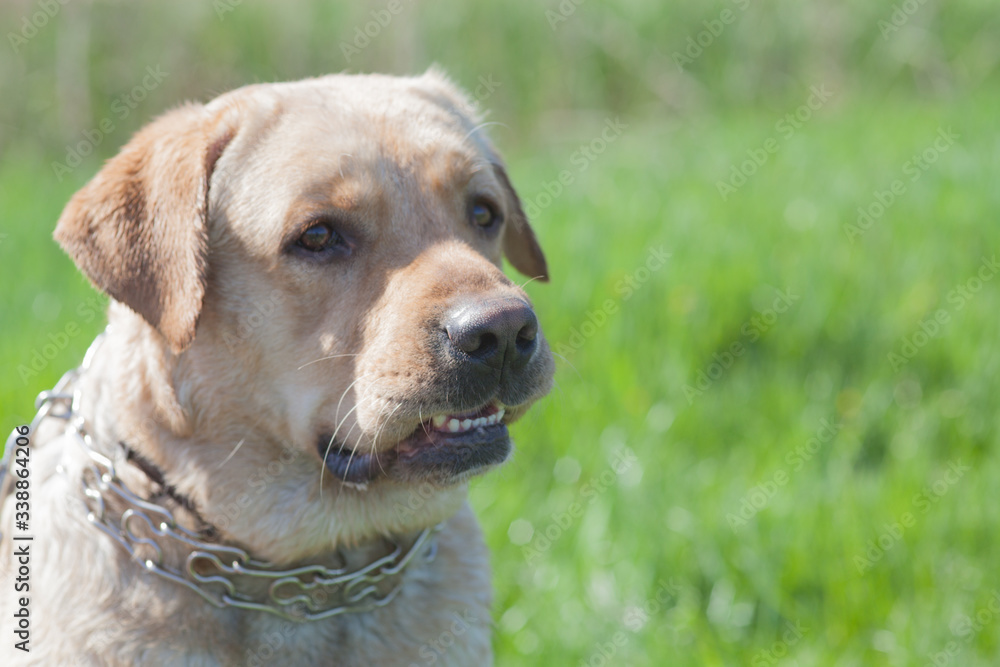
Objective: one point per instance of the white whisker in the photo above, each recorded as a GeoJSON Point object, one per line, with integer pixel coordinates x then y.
{"type": "Point", "coordinates": [334, 356]}
{"type": "Point", "coordinates": [385, 422]}
{"type": "Point", "coordinates": [329, 446]}
{"type": "Point", "coordinates": [529, 280]}
{"type": "Point", "coordinates": [232, 453]}
{"type": "Point", "coordinates": [342, 163]}
{"type": "Point", "coordinates": [482, 125]}
{"type": "Point", "coordinates": [568, 363]}
{"type": "Point", "coordinates": [378, 433]}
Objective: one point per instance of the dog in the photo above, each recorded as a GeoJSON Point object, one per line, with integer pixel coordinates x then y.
{"type": "Point", "coordinates": [311, 349]}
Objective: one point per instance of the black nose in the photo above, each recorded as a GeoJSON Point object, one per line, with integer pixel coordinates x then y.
{"type": "Point", "coordinates": [500, 333]}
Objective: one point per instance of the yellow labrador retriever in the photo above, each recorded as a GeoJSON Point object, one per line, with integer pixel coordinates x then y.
{"type": "Point", "coordinates": [311, 349]}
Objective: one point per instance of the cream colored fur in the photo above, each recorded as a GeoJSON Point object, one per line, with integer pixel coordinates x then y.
{"type": "Point", "coordinates": [228, 358]}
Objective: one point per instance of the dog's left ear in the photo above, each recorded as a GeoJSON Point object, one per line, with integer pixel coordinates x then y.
{"type": "Point", "coordinates": [519, 242]}
{"type": "Point", "coordinates": [138, 229]}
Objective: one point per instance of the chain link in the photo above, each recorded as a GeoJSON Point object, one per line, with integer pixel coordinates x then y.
{"type": "Point", "coordinates": [222, 575]}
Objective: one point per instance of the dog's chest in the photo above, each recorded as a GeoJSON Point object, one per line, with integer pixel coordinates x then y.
{"type": "Point", "coordinates": [396, 635]}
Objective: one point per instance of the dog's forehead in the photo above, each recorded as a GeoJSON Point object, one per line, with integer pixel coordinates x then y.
{"type": "Point", "coordinates": [405, 122]}
{"type": "Point", "coordinates": [356, 142]}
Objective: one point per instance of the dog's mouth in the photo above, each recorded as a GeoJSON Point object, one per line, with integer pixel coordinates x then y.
{"type": "Point", "coordinates": [447, 448]}
{"type": "Point", "coordinates": [447, 427]}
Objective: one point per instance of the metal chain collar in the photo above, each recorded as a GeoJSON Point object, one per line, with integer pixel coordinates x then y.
{"type": "Point", "coordinates": [215, 571]}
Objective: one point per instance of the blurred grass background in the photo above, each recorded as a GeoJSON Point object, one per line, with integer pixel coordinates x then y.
{"type": "Point", "coordinates": [652, 562]}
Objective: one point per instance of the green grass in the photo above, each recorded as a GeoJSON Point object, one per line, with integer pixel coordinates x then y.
{"type": "Point", "coordinates": [661, 534]}
{"type": "Point", "coordinates": [825, 358]}
{"type": "Point", "coordinates": [664, 519]}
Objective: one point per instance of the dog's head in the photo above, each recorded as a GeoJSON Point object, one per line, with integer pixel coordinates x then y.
{"type": "Point", "coordinates": [321, 260]}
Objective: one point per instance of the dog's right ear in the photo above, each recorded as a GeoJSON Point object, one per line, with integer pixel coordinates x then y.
{"type": "Point", "coordinates": [138, 229]}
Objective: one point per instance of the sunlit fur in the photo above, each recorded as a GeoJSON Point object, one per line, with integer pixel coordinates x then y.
{"type": "Point", "coordinates": [284, 350]}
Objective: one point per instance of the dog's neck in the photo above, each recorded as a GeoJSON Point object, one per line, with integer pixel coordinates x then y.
{"type": "Point", "coordinates": [163, 532]}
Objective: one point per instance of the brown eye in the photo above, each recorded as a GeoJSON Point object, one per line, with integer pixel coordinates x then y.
{"type": "Point", "coordinates": [318, 238]}
{"type": "Point", "coordinates": [483, 214]}
{"type": "Point", "coordinates": [319, 241]}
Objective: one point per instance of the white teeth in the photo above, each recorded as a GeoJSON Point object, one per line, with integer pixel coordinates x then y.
{"type": "Point", "coordinates": [455, 425]}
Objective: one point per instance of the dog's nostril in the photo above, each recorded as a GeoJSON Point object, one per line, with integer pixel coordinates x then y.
{"type": "Point", "coordinates": [528, 332]}
{"type": "Point", "coordinates": [474, 342]}
{"type": "Point", "coordinates": [487, 345]}
{"type": "Point", "coordinates": [525, 340]}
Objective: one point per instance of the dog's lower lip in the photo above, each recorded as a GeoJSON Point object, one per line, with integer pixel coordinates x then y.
{"type": "Point", "coordinates": [423, 439]}
{"type": "Point", "coordinates": [441, 436]}
{"type": "Point", "coordinates": [349, 466]}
